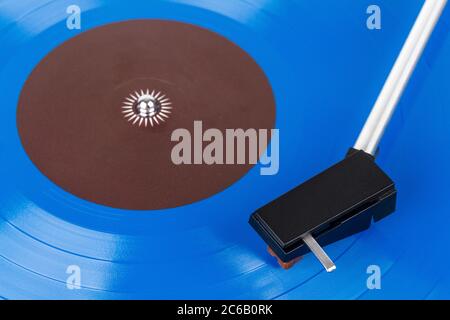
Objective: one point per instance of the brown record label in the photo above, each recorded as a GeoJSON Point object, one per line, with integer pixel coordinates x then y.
{"type": "Point", "coordinates": [97, 114]}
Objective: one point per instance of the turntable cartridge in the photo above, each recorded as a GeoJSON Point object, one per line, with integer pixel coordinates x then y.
{"type": "Point", "coordinates": [347, 197]}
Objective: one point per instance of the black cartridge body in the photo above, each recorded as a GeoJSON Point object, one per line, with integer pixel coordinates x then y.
{"type": "Point", "coordinates": [340, 201]}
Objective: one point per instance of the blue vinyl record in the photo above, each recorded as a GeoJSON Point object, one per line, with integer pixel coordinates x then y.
{"type": "Point", "coordinates": [326, 69]}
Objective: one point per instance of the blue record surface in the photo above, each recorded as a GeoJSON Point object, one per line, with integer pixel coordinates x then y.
{"type": "Point", "coordinates": [326, 69]}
